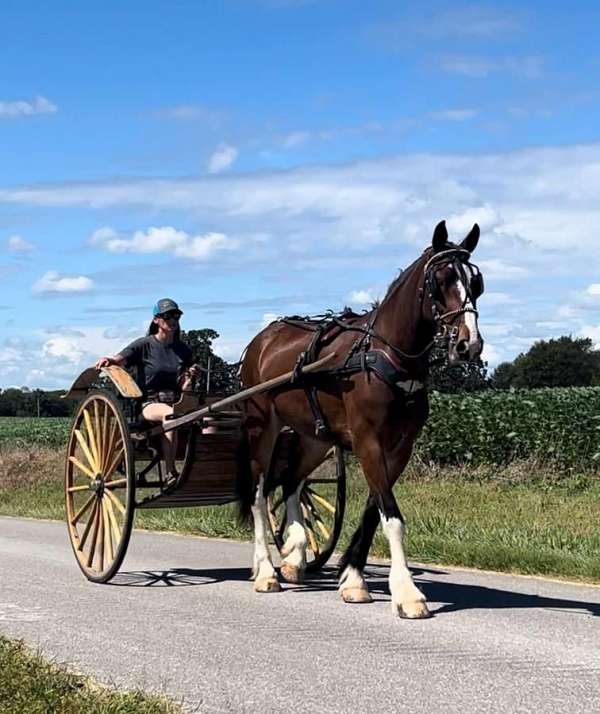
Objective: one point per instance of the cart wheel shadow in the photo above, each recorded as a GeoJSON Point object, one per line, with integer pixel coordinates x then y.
{"type": "Point", "coordinates": [179, 577]}
{"type": "Point", "coordinates": [453, 596]}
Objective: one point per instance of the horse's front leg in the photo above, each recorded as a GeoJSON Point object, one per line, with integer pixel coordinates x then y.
{"type": "Point", "coordinates": [263, 572]}
{"type": "Point", "coordinates": [407, 600]}
{"type": "Point", "coordinates": [352, 585]}
{"type": "Point", "coordinates": [381, 470]}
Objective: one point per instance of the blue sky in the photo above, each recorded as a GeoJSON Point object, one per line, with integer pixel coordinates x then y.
{"type": "Point", "coordinates": [254, 158]}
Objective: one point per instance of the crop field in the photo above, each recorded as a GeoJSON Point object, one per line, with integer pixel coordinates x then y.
{"type": "Point", "coordinates": [559, 427]}
{"type": "Point", "coordinates": [20, 432]}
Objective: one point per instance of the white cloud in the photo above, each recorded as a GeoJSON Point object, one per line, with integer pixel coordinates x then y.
{"type": "Point", "coordinates": [229, 350]}
{"type": "Point", "coordinates": [491, 355]}
{"type": "Point", "coordinates": [17, 244]}
{"type": "Point", "coordinates": [165, 239]}
{"type": "Point", "coordinates": [497, 298]}
{"type": "Point", "coordinates": [53, 282]}
{"type": "Point", "coordinates": [55, 362]}
{"type": "Point", "coordinates": [362, 297]}
{"type": "Point", "coordinates": [64, 348]}
{"type": "Point", "coordinates": [267, 319]}
{"type": "Point", "coordinates": [39, 105]}
{"type": "Point", "coordinates": [222, 158]}
{"type": "Point", "coordinates": [593, 332]}
{"type": "Point", "coordinates": [593, 289]}
{"type": "Point", "coordinates": [498, 269]}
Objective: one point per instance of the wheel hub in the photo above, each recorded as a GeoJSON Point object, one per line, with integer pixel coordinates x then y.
{"type": "Point", "coordinates": [97, 485]}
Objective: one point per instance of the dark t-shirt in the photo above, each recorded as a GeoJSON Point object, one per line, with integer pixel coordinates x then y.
{"type": "Point", "coordinates": [159, 365]}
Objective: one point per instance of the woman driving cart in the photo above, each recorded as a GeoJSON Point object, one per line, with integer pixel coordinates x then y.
{"type": "Point", "coordinates": [165, 369]}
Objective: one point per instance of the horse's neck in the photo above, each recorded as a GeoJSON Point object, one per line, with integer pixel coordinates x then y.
{"type": "Point", "coordinates": [400, 320]}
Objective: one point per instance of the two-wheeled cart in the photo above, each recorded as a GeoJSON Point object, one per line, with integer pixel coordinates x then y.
{"type": "Point", "coordinates": [114, 467]}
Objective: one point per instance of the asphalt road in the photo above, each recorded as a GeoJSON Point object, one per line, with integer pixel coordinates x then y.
{"type": "Point", "coordinates": [182, 619]}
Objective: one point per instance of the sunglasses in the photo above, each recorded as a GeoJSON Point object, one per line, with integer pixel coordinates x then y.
{"type": "Point", "coordinates": [171, 315]}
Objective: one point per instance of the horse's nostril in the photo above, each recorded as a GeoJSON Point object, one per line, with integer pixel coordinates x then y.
{"type": "Point", "coordinates": [462, 347]}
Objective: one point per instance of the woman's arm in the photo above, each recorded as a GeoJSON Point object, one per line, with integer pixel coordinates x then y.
{"type": "Point", "coordinates": [108, 361]}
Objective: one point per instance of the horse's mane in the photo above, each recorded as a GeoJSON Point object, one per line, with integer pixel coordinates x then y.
{"type": "Point", "coordinates": [404, 274]}
{"type": "Point", "coordinates": [400, 279]}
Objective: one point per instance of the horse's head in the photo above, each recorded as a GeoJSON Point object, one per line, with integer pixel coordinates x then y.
{"type": "Point", "coordinates": [452, 285]}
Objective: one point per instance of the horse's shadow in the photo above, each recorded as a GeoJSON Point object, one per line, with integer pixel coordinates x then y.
{"type": "Point", "coordinates": [456, 596]}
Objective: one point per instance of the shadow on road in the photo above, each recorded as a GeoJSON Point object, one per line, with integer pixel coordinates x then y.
{"type": "Point", "coordinates": [178, 577]}
{"type": "Point", "coordinates": [456, 596]}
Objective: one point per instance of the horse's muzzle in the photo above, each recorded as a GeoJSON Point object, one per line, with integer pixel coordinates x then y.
{"type": "Point", "coordinates": [464, 351]}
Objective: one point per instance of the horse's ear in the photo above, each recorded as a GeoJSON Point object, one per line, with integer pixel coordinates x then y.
{"type": "Point", "coordinates": [470, 242]}
{"type": "Point", "coordinates": [440, 237]}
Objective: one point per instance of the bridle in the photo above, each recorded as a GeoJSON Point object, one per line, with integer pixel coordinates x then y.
{"type": "Point", "coordinates": [446, 333]}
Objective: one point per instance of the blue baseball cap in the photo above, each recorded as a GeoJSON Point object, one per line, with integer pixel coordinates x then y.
{"type": "Point", "coordinates": [165, 305]}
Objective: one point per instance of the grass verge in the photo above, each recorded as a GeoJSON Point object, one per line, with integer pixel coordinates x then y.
{"type": "Point", "coordinates": [29, 683]}
{"type": "Point", "coordinates": [520, 518]}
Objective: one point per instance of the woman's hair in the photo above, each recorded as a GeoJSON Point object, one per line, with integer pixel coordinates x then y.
{"type": "Point", "coordinates": [153, 329]}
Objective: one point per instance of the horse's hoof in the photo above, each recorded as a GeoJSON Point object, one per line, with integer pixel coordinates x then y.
{"type": "Point", "coordinates": [291, 573]}
{"type": "Point", "coordinates": [267, 585]}
{"type": "Point", "coordinates": [355, 595]}
{"type": "Point", "coordinates": [416, 610]}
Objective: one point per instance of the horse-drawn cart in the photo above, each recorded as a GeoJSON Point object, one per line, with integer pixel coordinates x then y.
{"type": "Point", "coordinates": [114, 467]}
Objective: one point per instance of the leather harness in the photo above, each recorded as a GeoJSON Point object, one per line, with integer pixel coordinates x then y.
{"type": "Point", "coordinates": [384, 364]}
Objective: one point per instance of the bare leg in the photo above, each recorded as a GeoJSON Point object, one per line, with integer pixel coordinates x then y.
{"type": "Point", "coordinates": [160, 412]}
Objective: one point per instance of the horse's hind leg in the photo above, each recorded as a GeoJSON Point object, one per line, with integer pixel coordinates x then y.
{"type": "Point", "coordinates": [263, 572]}
{"type": "Point", "coordinates": [263, 431]}
{"type": "Point", "coordinates": [293, 552]}
{"type": "Point", "coordinates": [352, 585]}
{"type": "Point", "coordinates": [312, 454]}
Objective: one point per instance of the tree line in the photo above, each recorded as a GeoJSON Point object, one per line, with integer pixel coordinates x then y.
{"type": "Point", "coordinates": [560, 362]}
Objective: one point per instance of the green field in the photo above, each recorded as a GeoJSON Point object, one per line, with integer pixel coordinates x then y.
{"type": "Point", "coordinates": [559, 428]}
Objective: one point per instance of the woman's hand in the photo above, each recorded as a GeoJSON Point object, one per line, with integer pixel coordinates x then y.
{"type": "Point", "coordinates": [103, 362]}
{"type": "Point", "coordinates": [108, 361]}
{"type": "Point", "coordinates": [187, 378]}
{"type": "Point", "coordinates": [193, 371]}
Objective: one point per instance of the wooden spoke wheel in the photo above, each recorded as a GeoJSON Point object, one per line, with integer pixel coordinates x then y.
{"type": "Point", "coordinates": [99, 486]}
{"type": "Point", "coordinates": [322, 500]}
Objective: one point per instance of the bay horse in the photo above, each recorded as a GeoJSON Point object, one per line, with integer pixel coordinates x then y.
{"type": "Point", "coordinates": [372, 400]}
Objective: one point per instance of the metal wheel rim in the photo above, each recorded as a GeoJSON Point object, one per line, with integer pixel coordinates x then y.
{"type": "Point", "coordinates": [99, 486]}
